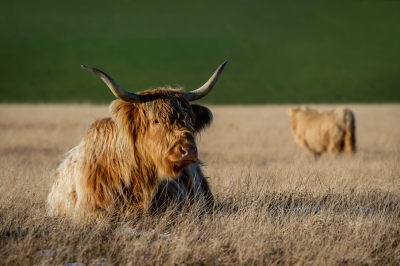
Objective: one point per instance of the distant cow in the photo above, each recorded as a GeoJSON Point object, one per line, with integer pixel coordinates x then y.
{"type": "Point", "coordinates": [123, 161]}
{"type": "Point", "coordinates": [332, 131]}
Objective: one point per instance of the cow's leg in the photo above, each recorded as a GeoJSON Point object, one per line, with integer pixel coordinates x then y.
{"type": "Point", "coordinates": [315, 155]}
{"type": "Point", "coordinates": [334, 149]}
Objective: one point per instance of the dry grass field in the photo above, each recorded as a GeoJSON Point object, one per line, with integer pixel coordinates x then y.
{"type": "Point", "coordinates": [279, 206]}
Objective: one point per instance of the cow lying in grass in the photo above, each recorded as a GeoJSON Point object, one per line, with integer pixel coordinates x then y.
{"type": "Point", "coordinates": [317, 132]}
{"type": "Point", "coordinates": [124, 160]}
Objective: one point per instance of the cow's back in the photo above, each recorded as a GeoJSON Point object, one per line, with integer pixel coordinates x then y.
{"type": "Point", "coordinates": [69, 195]}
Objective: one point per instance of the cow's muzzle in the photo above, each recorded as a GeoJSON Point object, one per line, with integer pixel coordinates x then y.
{"type": "Point", "coordinates": [188, 153]}
{"type": "Point", "coordinates": [183, 155]}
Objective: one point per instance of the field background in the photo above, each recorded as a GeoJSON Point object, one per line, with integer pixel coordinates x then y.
{"type": "Point", "coordinates": [280, 207]}
{"type": "Point", "coordinates": [278, 52]}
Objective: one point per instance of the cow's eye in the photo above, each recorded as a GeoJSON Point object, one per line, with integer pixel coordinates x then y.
{"type": "Point", "coordinates": [156, 122]}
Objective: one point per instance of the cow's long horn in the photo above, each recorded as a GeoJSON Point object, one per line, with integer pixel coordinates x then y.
{"type": "Point", "coordinates": [206, 88]}
{"type": "Point", "coordinates": [118, 91]}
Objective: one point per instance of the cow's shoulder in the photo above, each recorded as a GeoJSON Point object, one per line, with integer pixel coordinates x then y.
{"type": "Point", "coordinates": [100, 132]}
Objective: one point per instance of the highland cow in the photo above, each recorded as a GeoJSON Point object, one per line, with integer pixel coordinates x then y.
{"type": "Point", "coordinates": [145, 152]}
{"type": "Point", "coordinates": [317, 132]}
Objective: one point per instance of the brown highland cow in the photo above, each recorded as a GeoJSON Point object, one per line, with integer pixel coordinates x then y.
{"type": "Point", "coordinates": [145, 152]}
{"type": "Point", "coordinates": [332, 131]}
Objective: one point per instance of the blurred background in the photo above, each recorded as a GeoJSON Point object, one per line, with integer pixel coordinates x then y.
{"type": "Point", "coordinates": [278, 51]}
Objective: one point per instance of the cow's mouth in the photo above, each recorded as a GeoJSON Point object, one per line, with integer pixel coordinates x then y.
{"type": "Point", "coordinates": [179, 165]}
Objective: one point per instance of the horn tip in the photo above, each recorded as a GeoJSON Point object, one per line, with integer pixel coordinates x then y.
{"type": "Point", "coordinates": [91, 69]}
{"type": "Point", "coordinates": [224, 64]}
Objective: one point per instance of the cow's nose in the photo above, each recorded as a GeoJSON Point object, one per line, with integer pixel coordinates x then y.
{"type": "Point", "coordinates": [188, 153]}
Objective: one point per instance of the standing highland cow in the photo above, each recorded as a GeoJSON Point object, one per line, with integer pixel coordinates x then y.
{"type": "Point", "coordinates": [332, 131]}
{"type": "Point", "coordinates": [124, 160]}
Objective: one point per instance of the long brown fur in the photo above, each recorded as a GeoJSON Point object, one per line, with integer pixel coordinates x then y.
{"type": "Point", "coordinates": [317, 132]}
{"type": "Point", "coordinates": [122, 161]}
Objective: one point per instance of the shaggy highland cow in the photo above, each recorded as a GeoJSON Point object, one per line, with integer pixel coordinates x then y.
{"type": "Point", "coordinates": [145, 152]}
{"type": "Point", "coordinates": [332, 131]}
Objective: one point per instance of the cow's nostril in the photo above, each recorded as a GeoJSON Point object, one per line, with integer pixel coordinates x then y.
{"type": "Point", "coordinates": [183, 150]}
{"type": "Point", "coordinates": [188, 152]}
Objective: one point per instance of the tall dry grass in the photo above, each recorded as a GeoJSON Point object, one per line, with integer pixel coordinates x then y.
{"type": "Point", "coordinates": [278, 206]}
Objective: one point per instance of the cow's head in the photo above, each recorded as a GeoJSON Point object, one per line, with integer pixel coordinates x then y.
{"type": "Point", "coordinates": [161, 123]}
{"type": "Point", "coordinates": [293, 111]}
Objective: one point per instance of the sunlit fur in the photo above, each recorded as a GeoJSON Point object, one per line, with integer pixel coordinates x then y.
{"type": "Point", "coordinates": [332, 131]}
{"type": "Point", "coordinates": [121, 161]}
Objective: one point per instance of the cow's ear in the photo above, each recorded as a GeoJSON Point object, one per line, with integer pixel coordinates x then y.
{"type": "Point", "coordinates": [203, 117]}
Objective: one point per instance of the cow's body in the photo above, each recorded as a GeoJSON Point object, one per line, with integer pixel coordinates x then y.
{"type": "Point", "coordinates": [144, 154]}
{"type": "Point", "coordinates": [317, 132]}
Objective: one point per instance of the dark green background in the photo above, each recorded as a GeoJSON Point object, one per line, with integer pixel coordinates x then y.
{"type": "Point", "coordinates": [278, 51]}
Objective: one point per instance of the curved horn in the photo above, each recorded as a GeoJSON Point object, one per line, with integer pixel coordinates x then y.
{"type": "Point", "coordinates": [206, 88]}
{"type": "Point", "coordinates": [114, 87]}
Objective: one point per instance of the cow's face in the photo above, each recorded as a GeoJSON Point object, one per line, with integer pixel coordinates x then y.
{"type": "Point", "coordinates": [170, 128]}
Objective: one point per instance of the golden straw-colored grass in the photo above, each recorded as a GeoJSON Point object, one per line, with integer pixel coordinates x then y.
{"type": "Point", "coordinates": [278, 205]}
